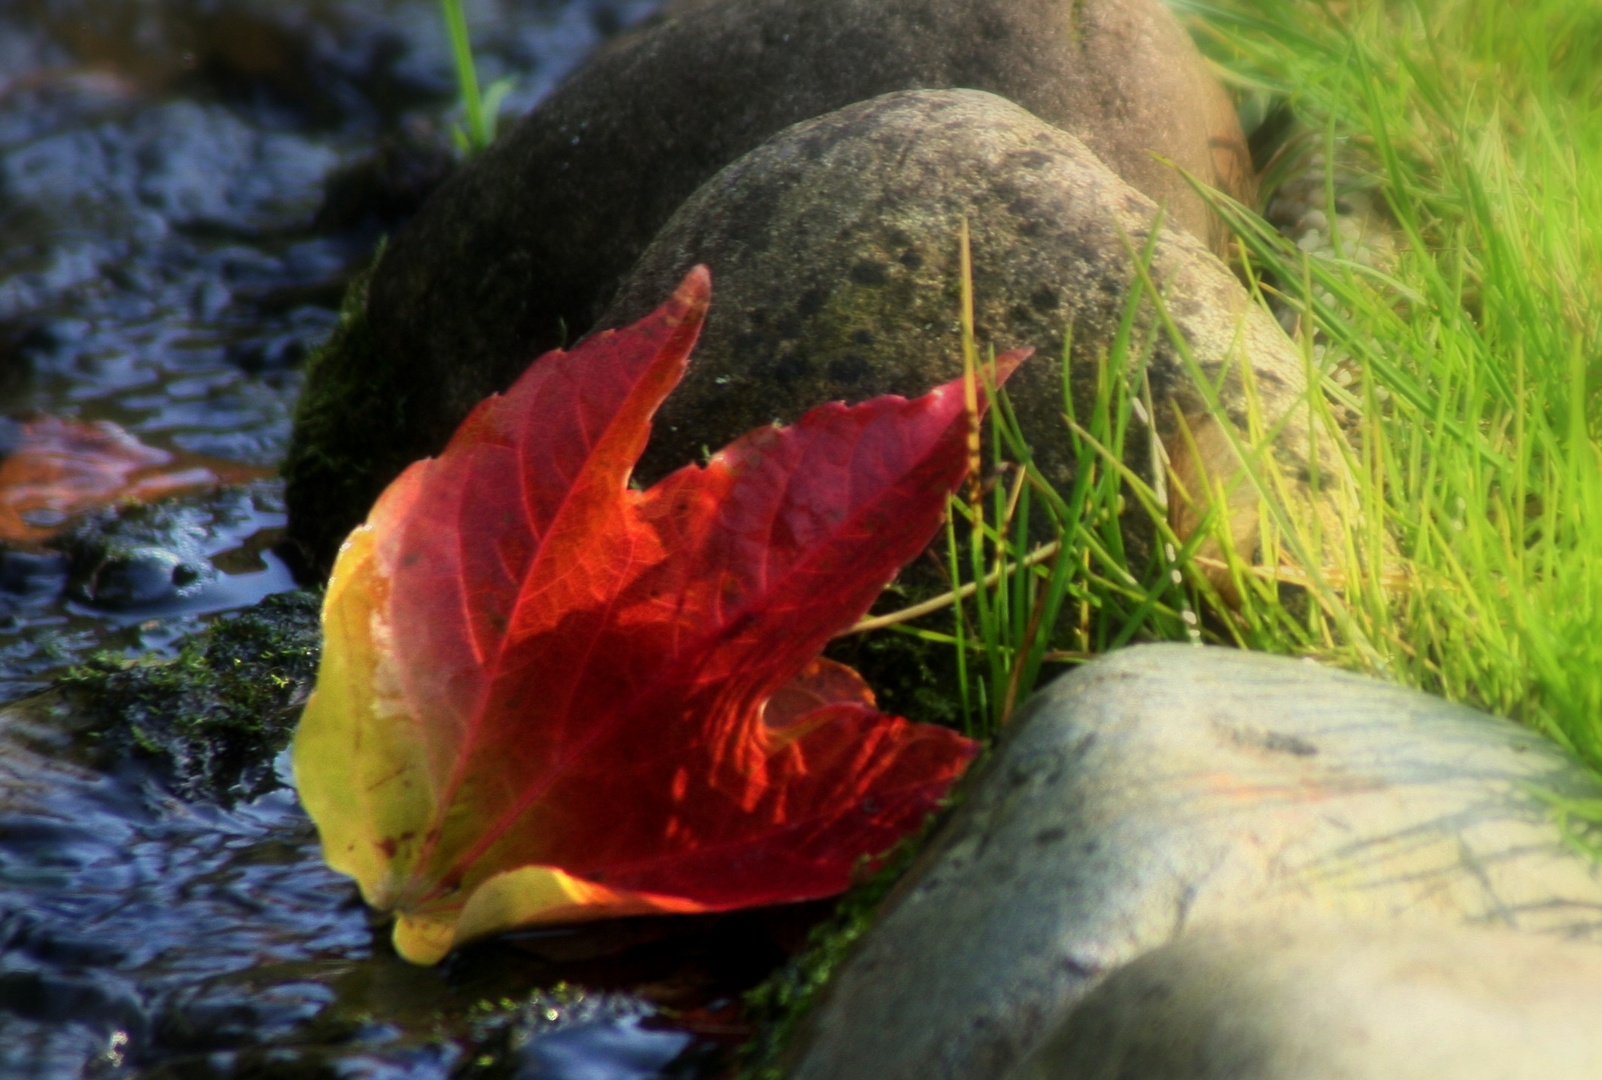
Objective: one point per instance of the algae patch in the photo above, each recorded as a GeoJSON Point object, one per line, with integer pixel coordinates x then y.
{"type": "Point", "coordinates": [210, 721]}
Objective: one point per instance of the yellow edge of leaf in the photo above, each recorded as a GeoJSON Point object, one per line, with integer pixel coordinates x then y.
{"type": "Point", "coordinates": [328, 740]}
{"type": "Point", "coordinates": [360, 772]}
{"type": "Point", "coordinates": [527, 896]}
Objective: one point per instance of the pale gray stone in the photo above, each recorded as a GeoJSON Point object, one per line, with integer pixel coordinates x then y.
{"type": "Point", "coordinates": [1165, 787]}
{"type": "Point", "coordinates": [1307, 999]}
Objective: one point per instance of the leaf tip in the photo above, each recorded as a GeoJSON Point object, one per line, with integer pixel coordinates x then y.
{"type": "Point", "coordinates": [694, 294]}
{"type": "Point", "coordinates": [1008, 362]}
{"type": "Point", "coordinates": [422, 939]}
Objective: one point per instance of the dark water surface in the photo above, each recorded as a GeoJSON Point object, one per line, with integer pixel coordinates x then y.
{"type": "Point", "coordinates": [185, 189]}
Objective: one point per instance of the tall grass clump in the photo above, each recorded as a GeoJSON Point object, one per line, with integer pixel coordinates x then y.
{"type": "Point", "coordinates": [1473, 414]}
{"type": "Point", "coordinates": [1041, 577]}
{"type": "Point", "coordinates": [1458, 378]}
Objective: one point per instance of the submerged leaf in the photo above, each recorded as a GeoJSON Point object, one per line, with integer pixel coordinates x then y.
{"type": "Point", "coordinates": [55, 469]}
{"type": "Point", "coordinates": [547, 697]}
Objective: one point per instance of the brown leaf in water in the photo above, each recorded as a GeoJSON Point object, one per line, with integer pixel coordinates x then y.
{"type": "Point", "coordinates": [61, 468]}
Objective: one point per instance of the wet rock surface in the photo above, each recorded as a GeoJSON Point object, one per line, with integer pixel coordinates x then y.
{"type": "Point", "coordinates": [1306, 1000]}
{"type": "Point", "coordinates": [141, 555]}
{"type": "Point", "coordinates": [135, 251]}
{"type": "Point", "coordinates": [522, 251]}
{"type": "Point", "coordinates": [135, 578]}
{"type": "Point", "coordinates": [1164, 788]}
{"type": "Point", "coordinates": [186, 188]}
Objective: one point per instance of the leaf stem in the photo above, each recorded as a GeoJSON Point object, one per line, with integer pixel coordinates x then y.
{"type": "Point", "coordinates": [940, 603]}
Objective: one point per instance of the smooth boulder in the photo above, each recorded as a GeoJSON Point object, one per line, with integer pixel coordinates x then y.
{"type": "Point", "coordinates": [523, 248]}
{"type": "Point", "coordinates": [1318, 1000]}
{"type": "Point", "coordinates": [1167, 787]}
{"type": "Point", "coordinates": [834, 250]}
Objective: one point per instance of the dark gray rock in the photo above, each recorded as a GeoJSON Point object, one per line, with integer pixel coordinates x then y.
{"type": "Point", "coordinates": [1315, 1000]}
{"type": "Point", "coordinates": [188, 554]}
{"type": "Point", "coordinates": [1167, 787]}
{"type": "Point", "coordinates": [521, 251]}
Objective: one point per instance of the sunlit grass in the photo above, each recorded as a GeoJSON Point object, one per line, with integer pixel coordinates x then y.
{"type": "Point", "coordinates": [1471, 559]}
{"type": "Point", "coordinates": [1480, 351]}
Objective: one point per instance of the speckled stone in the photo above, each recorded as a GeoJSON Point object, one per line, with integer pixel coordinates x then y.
{"type": "Point", "coordinates": [834, 250]}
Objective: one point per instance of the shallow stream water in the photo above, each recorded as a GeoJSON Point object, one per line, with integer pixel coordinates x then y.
{"type": "Point", "coordinates": [185, 188]}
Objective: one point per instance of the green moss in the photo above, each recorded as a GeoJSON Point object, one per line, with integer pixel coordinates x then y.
{"type": "Point", "coordinates": [212, 720]}
{"type": "Point", "coordinates": [780, 1005]}
{"type": "Point", "coordinates": [350, 425]}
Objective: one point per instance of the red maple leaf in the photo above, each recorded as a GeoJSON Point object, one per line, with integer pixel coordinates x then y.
{"type": "Point", "coordinates": [547, 697]}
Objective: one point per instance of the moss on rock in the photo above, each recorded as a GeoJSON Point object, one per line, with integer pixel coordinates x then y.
{"type": "Point", "coordinates": [350, 436]}
{"type": "Point", "coordinates": [779, 1006]}
{"type": "Point", "coordinates": [211, 721]}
